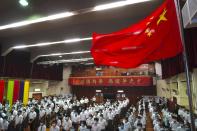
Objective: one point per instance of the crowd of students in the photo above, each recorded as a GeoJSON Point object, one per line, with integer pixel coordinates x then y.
{"type": "Point", "coordinates": [65, 113]}
{"type": "Point", "coordinates": [69, 114]}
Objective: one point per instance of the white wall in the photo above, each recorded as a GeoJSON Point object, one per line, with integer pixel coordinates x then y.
{"type": "Point", "coordinates": [165, 88]}
{"type": "Point", "coordinates": [42, 85]}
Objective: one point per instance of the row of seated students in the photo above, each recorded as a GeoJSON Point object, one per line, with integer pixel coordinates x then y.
{"type": "Point", "coordinates": [66, 113]}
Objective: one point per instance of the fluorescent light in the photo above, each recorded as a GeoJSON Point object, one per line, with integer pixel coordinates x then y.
{"type": "Point", "coordinates": [28, 22]}
{"type": "Point", "coordinates": [37, 89]}
{"type": "Point", "coordinates": [120, 91]}
{"type": "Point", "coordinates": [57, 54]}
{"type": "Point", "coordinates": [73, 40]}
{"type": "Point", "coordinates": [60, 56]}
{"type": "Point", "coordinates": [98, 90]}
{"type": "Point", "coordinates": [66, 61]}
{"type": "Point", "coordinates": [23, 3]}
{"type": "Point", "coordinates": [89, 63]}
{"type": "Point", "coordinates": [116, 4]}
{"type": "Point", "coordinates": [77, 40]}
{"type": "Point", "coordinates": [68, 14]}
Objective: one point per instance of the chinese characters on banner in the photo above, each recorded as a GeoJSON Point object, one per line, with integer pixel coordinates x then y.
{"type": "Point", "coordinates": [111, 81]}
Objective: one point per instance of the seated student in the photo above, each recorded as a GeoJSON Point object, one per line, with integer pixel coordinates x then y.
{"type": "Point", "coordinates": [42, 127]}
{"type": "Point", "coordinates": [83, 127]}
{"type": "Point", "coordinates": [54, 127]}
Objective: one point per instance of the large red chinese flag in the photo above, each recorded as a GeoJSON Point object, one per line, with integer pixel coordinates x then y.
{"type": "Point", "coordinates": [154, 38]}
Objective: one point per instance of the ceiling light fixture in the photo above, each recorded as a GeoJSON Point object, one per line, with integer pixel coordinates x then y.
{"type": "Point", "coordinates": [28, 22]}
{"type": "Point", "coordinates": [23, 3]}
{"type": "Point", "coordinates": [57, 54]}
{"type": "Point", "coordinates": [77, 40]}
{"type": "Point", "coordinates": [68, 14]}
{"type": "Point", "coordinates": [74, 40]}
{"type": "Point", "coordinates": [66, 61]}
{"type": "Point", "coordinates": [117, 4]}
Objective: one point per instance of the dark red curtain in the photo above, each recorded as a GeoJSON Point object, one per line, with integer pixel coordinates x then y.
{"type": "Point", "coordinates": [175, 65]}
{"type": "Point", "coordinates": [17, 64]}
{"type": "Point", "coordinates": [49, 72]}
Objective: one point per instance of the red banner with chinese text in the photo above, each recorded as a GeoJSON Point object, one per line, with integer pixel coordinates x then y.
{"type": "Point", "coordinates": [111, 81]}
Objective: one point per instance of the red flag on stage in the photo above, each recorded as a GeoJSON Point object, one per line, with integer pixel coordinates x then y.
{"type": "Point", "coordinates": [154, 38]}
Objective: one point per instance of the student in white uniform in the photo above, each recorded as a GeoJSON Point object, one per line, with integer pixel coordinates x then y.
{"type": "Point", "coordinates": [54, 127]}
{"type": "Point", "coordinates": [127, 125]}
{"type": "Point", "coordinates": [42, 127]}
{"type": "Point", "coordinates": [83, 127]}
{"type": "Point", "coordinates": [96, 126]}
{"type": "Point", "coordinates": [102, 122]}
{"type": "Point", "coordinates": [18, 120]}
{"type": "Point", "coordinates": [89, 121]}
{"type": "Point", "coordinates": [66, 124]}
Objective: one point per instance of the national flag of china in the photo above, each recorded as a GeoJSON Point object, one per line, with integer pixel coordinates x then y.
{"type": "Point", "coordinates": [154, 38]}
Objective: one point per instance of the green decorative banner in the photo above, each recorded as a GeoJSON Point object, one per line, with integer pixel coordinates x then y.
{"type": "Point", "coordinates": [10, 91]}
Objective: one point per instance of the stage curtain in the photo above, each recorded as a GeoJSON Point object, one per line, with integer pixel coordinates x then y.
{"type": "Point", "coordinates": [16, 90]}
{"type": "Point", "coordinates": [2, 85]}
{"type": "Point", "coordinates": [21, 92]}
{"type": "Point", "coordinates": [175, 65]}
{"type": "Point", "coordinates": [10, 91]}
{"type": "Point", "coordinates": [26, 93]}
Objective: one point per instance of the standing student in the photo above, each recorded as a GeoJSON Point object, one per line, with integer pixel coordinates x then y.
{"type": "Point", "coordinates": [54, 127]}
{"type": "Point", "coordinates": [42, 127]}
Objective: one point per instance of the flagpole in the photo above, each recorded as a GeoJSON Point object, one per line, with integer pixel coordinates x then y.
{"type": "Point", "coordinates": [186, 65]}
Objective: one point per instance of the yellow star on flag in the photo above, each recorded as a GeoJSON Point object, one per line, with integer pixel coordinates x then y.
{"type": "Point", "coordinates": [149, 32]}
{"type": "Point", "coordinates": [162, 17]}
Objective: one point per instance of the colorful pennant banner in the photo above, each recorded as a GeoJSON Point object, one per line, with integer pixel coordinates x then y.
{"type": "Point", "coordinates": [10, 91]}
{"type": "Point", "coordinates": [16, 90]}
{"type": "Point", "coordinates": [26, 93]}
{"type": "Point", "coordinates": [2, 85]}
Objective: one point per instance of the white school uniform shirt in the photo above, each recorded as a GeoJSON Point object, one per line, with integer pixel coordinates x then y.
{"type": "Point", "coordinates": [32, 115]}
{"type": "Point", "coordinates": [42, 113]}
{"type": "Point", "coordinates": [24, 114]}
{"type": "Point", "coordinates": [42, 128]}
{"type": "Point", "coordinates": [89, 121]}
{"type": "Point", "coordinates": [48, 111]}
{"type": "Point", "coordinates": [18, 119]}
{"type": "Point", "coordinates": [59, 123]}
{"type": "Point", "coordinates": [102, 123]}
{"type": "Point", "coordinates": [1, 123]}
{"type": "Point", "coordinates": [66, 124]}
{"type": "Point", "coordinates": [5, 125]}
{"type": "Point", "coordinates": [82, 101]}
{"type": "Point", "coordinates": [82, 116]}
{"type": "Point", "coordinates": [86, 100]}
{"type": "Point", "coordinates": [75, 118]}
{"type": "Point", "coordinates": [56, 109]}
{"type": "Point", "coordinates": [96, 127]}
{"type": "Point", "coordinates": [110, 115]}
{"type": "Point", "coordinates": [127, 126]}
{"type": "Point", "coordinates": [56, 128]}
